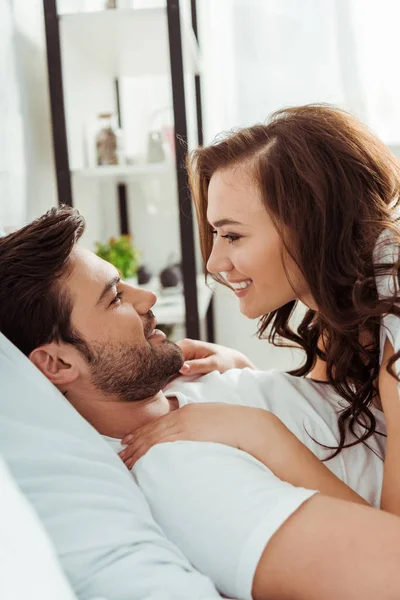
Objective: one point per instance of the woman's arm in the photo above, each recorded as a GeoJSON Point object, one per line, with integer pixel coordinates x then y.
{"type": "Point", "coordinates": [255, 431]}
{"type": "Point", "coordinates": [388, 390]}
{"type": "Point", "coordinates": [290, 460]}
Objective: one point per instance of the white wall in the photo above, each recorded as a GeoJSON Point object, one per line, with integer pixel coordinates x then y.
{"type": "Point", "coordinates": [32, 74]}
{"type": "Point", "coordinates": [12, 171]}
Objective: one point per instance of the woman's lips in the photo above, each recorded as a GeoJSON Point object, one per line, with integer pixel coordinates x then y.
{"type": "Point", "coordinates": [240, 293]}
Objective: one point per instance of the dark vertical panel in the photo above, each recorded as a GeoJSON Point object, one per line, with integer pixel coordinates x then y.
{"type": "Point", "coordinates": [60, 144]}
{"type": "Point", "coordinates": [199, 111]}
{"type": "Point", "coordinates": [210, 322]}
{"type": "Point", "coordinates": [118, 102]}
{"type": "Point", "coordinates": [200, 141]}
{"type": "Point", "coordinates": [185, 204]}
{"type": "Point", "coordinates": [122, 188]}
{"type": "Point", "coordinates": [193, 6]}
{"type": "Point", "coordinates": [123, 209]}
{"type": "Point", "coordinates": [197, 82]}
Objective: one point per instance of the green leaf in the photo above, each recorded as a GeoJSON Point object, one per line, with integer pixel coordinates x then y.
{"type": "Point", "coordinates": [120, 252]}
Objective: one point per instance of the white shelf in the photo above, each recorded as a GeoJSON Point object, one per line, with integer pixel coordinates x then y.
{"type": "Point", "coordinates": [123, 172]}
{"type": "Point", "coordinates": [170, 308]}
{"type": "Point", "coordinates": [128, 42]}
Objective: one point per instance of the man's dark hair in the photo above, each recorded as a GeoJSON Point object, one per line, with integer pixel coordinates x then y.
{"type": "Point", "coordinates": [35, 307]}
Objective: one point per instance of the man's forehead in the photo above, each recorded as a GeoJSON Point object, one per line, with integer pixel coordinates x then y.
{"type": "Point", "coordinates": [87, 268]}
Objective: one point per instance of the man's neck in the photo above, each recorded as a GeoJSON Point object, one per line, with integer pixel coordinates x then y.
{"type": "Point", "coordinates": [115, 418]}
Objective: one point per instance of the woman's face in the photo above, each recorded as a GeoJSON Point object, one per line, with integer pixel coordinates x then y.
{"type": "Point", "coordinates": [247, 249]}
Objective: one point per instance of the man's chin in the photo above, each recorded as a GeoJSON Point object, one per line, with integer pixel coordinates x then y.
{"type": "Point", "coordinates": [137, 371]}
{"type": "Point", "coordinates": [175, 354]}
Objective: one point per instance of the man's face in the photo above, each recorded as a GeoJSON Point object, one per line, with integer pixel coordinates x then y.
{"type": "Point", "coordinates": [127, 358]}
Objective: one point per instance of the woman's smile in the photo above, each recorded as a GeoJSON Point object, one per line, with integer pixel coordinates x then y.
{"type": "Point", "coordinates": [241, 288]}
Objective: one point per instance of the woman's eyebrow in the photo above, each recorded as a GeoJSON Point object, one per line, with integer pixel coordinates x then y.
{"type": "Point", "coordinates": [223, 222]}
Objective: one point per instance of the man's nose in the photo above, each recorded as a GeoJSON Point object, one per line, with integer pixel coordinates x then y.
{"type": "Point", "coordinates": [218, 262]}
{"type": "Point", "coordinates": [142, 300]}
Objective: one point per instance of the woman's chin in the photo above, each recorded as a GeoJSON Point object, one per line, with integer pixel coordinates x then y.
{"type": "Point", "coordinates": [250, 312]}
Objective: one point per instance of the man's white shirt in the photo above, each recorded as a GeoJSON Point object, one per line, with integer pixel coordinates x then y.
{"type": "Point", "coordinates": [220, 505]}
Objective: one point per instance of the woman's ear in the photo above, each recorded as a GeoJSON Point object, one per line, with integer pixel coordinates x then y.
{"type": "Point", "coordinates": [56, 362]}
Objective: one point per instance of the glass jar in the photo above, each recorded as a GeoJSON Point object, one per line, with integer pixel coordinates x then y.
{"type": "Point", "coordinates": [106, 141]}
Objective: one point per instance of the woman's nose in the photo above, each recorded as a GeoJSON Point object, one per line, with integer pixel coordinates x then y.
{"type": "Point", "coordinates": [218, 262]}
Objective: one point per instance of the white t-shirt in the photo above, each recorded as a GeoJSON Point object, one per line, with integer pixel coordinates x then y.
{"type": "Point", "coordinates": [220, 505]}
{"type": "Point", "coordinates": [387, 252]}
{"type": "Point", "coordinates": [308, 408]}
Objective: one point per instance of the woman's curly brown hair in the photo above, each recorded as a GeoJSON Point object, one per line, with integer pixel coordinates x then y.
{"type": "Point", "coordinates": [331, 187]}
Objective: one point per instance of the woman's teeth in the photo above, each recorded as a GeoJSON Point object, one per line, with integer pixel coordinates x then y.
{"type": "Point", "coordinates": [241, 285]}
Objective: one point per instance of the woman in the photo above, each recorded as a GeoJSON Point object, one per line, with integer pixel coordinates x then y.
{"type": "Point", "coordinates": [304, 208]}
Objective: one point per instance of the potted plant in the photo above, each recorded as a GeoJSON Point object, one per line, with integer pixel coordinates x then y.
{"type": "Point", "coordinates": [121, 253]}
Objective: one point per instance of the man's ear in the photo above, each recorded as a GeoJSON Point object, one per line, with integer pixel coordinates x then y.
{"type": "Point", "coordinates": [56, 362]}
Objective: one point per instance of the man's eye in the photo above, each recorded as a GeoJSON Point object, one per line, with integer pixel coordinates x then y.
{"type": "Point", "coordinates": [116, 298]}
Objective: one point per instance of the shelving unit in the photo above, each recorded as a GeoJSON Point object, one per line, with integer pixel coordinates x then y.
{"type": "Point", "coordinates": [170, 308]}
{"type": "Point", "coordinates": [125, 43]}
{"type": "Point", "coordinates": [124, 172]}
{"type": "Point", "coordinates": [131, 42]}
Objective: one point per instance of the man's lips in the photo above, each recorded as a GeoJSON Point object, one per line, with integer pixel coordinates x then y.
{"type": "Point", "coordinates": [149, 329]}
{"type": "Point", "coordinates": [156, 334]}
{"type": "Point", "coordinates": [149, 325]}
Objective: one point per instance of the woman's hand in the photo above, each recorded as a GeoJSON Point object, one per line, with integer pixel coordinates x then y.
{"type": "Point", "coordinates": [208, 422]}
{"type": "Point", "coordinates": [203, 357]}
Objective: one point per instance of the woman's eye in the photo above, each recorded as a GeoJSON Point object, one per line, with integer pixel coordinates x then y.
{"type": "Point", "coordinates": [116, 298]}
{"type": "Point", "coordinates": [231, 237]}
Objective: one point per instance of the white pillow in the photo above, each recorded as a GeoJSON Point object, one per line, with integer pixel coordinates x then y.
{"type": "Point", "coordinates": [95, 514]}
{"type": "Point", "coordinates": [25, 548]}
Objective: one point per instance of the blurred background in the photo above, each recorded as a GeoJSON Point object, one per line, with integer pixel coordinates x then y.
{"type": "Point", "coordinates": [114, 90]}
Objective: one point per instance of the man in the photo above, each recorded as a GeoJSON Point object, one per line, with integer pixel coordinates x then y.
{"type": "Point", "coordinates": [256, 536]}
{"type": "Point", "coordinates": [109, 545]}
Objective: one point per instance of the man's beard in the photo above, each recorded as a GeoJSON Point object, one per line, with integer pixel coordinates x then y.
{"type": "Point", "coordinates": [133, 372]}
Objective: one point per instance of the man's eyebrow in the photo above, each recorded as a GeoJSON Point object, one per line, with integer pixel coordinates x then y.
{"type": "Point", "coordinates": [109, 285]}
{"type": "Point", "coordinates": [223, 222]}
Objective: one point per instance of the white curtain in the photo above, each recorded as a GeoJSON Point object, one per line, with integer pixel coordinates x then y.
{"type": "Point", "coordinates": [12, 160]}
{"type": "Point", "coordinates": [262, 55]}
{"type": "Point", "coordinates": [376, 25]}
